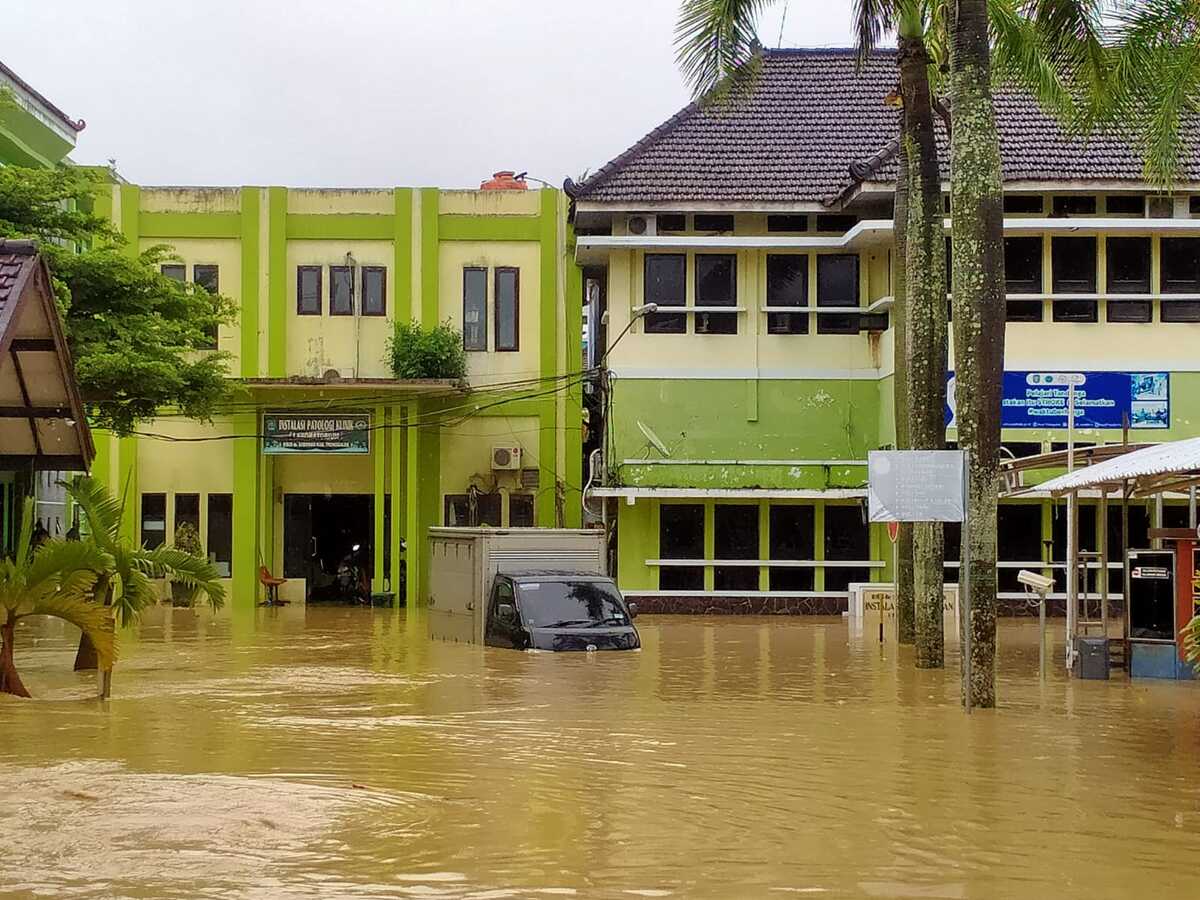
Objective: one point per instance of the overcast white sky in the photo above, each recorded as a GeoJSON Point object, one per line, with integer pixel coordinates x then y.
{"type": "Point", "coordinates": [364, 92]}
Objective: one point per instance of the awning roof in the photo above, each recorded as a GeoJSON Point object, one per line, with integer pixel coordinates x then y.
{"type": "Point", "coordinates": [1150, 470]}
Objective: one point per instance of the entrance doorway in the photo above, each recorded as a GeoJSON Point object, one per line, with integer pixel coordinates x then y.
{"type": "Point", "coordinates": [320, 534]}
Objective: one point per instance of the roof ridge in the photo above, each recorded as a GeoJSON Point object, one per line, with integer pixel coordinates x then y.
{"type": "Point", "coordinates": [18, 246]}
{"type": "Point", "coordinates": [882, 52]}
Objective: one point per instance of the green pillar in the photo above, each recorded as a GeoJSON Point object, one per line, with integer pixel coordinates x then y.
{"type": "Point", "coordinates": [399, 523]}
{"type": "Point", "coordinates": [764, 544]}
{"type": "Point", "coordinates": [266, 515]}
{"type": "Point", "coordinates": [248, 316]}
{"type": "Point", "coordinates": [412, 506]}
{"type": "Point", "coordinates": [379, 459]}
{"type": "Point", "coordinates": [710, 542]}
{"type": "Point", "coordinates": [126, 487]}
{"type": "Point", "coordinates": [131, 202]}
{"type": "Point", "coordinates": [430, 245]}
{"type": "Point", "coordinates": [278, 282]}
{"type": "Point", "coordinates": [819, 544]}
{"type": "Point", "coordinates": [547, 452]}
{"type": "Point", "coordinates": [246, 501]}
{"type": "Point", "coordinates": [1047, 532]}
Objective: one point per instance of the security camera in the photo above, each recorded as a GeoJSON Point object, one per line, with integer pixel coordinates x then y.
{"type": "Point", "coordinates": [1039, 583]}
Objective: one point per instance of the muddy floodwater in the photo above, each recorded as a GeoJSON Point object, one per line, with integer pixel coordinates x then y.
{"type": "Point", "coordinates": [338, 753]}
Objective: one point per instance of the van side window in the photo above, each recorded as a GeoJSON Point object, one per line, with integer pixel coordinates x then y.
{"type": "Point", "coordinates": [503, 594]}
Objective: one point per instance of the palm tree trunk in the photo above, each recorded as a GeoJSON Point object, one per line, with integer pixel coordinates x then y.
{"type": "Point", "coordinates": [978, 232]}
{"type": "Point", "coordinates": [10, 680]}
{"type": "Point", "coordinates": [926, 344]}
{"type": "Point", "coordinates": [86, 659]}
{"type": "Point", "coordinates": [905, 608]}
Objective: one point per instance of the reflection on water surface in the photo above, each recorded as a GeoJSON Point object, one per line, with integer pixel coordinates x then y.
{"type": "Point", "coordinates": [330, 753]}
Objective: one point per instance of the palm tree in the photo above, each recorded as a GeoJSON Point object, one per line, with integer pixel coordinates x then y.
{"type": "Point", "coordinates": [55, 579]}
{"type": "Point", "coordinates": [126, 584]}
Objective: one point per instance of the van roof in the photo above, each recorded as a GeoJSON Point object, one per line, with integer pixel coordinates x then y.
{"type": "Point", "coordinates": [554, 575]}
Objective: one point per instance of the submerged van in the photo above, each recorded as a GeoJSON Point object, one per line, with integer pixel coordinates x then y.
{"type": "Point", "coordinates": [559, 611]}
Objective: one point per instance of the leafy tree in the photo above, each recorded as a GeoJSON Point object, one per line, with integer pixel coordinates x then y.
{"type": "Point", "coordinates": [125, 582]}
{"type": "Point", "coordinates": [55, 579]}
{"type": "Point", "coordinates": [417, 352]}
{"type": "Point", "coordinates": [134, 333]}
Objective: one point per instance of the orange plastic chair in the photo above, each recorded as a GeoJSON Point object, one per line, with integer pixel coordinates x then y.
{"type": "Point", "coordinates": [271, 583]}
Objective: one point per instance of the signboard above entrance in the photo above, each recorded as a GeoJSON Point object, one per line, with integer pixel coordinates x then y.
{"type": "Point", "coordinates": [1102, 399]}
{"type": "Point", "coordinates": [347, 432]}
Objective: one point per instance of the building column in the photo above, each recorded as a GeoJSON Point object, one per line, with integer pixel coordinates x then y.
{"type": "Point", "coordinates": [379, 460]}
{"type": "Point", "coordinates": [126, 487]}
{"type": "Point", "coordinates": [246, 502]}
{"type": "Point", "coordinates": [710, 544]}
{"type": "Point", "coordinates": [399, 523]}
{"type": "Point", "coordinates": [819, 544]}
{"type": "Point", "coordinates": [412, 505]}
{"type": "Point", "coordinates": [764, 543]}
{"type": "Point", "coordinates": [545, 506]}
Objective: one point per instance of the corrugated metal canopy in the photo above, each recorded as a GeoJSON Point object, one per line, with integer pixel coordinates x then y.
{"type": "Point", "coordinates": [1150, 470]}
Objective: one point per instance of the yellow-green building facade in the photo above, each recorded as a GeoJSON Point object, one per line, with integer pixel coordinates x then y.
{"type": "Point", "coordinates": [303, 344]}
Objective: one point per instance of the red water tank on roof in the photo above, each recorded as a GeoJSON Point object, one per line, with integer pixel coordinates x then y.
{"type": "Point", "coordinates": [504, 181]}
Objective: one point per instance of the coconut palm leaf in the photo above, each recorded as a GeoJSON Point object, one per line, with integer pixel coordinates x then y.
{"type": "Point", "coordinates": [715, 42]}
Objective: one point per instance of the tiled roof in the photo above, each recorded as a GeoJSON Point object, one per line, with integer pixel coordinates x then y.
{"type": "Point", "coordinates": [810, 117]}
{"type": "Point", "coordinates": [15, 258]}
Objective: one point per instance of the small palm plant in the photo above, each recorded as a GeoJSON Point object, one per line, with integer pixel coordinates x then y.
{"type": "Point", "coordinates": [1191, 634]}
{"type": "Point", "coordinates": [126, 585]}
{"type": "Point", "coordinates": [56, 579]}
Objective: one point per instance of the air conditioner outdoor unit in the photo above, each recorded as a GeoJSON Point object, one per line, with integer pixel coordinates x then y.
{"type": "Point", "coordinates": [642, 226]}
{"type": "Point", "coordinates": [506, 459]}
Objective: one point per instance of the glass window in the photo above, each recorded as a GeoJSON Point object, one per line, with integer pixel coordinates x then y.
{"type": "Point", "coordinates": [154, 520]}
{"type": "Point", "coordinates": [187, 511]}
{"type": "Point", "coordinates": [1074, 205]}
{"type": "Point", "coordinates": [681, 536]}
{"type": "Point", "coordinates": [837, 224]}
{"type": "Point", "coordinates": [341, 291]}
{"type": "Point", "coordinates": [1018, 539]}
{"type": "Point", "coordinates": [1180, 265]}
{"type": "Point", "coordinates": [666, 285]}
{"type": "Point", "coordinates": [374, 291]}
{"type": "Point", "coordinates": [1125, 205]}
{"type": "Point", "coordinates": [520, 511]}
{"type": "Point", "coordinates": [837, 285]}
{"type": "Point", "coordinates": [1024, 204]}
{"type": "Point", "coordinates": [1023, 265]}
{"type": "Point", "coordinates": [547, 603]}
{"type": "Point", "coordinates": [508, 308]}
{"type": "Point", "coordinates": [1179, 311]}
{"type": "Point", "coordinates": [220, 532]}
{"type": "Point", "coordinates": [1074, 272]}
{"type": "Point", "coordinates": [1058, 533]}
{"type": "Point", "coordinates": [308, 290]}
{"type": "Point", "coordinates": [208, 277]}
{"type": "Point", "coordinates": [457, 511]}
{"type": "Point", "coordinates": [487, 510]}
{"type": "Point", "coordinates": [787, 285]}
{"type": "Point", "coordinates": [1128, 310]}
{"type": "Point", "coordinates": [735, 536]}
{"type": "Point", "coordinates": [672, 222]}
{"type": "Point", "coordinates": [792, 537]}
{"type": "Point", "coordinates": [1128, 265]}
{"type": "Point", "coordinates": [475, 309]}
{"type": "Point", "coordinates": [846, 539]}
{"type": "Point", "coordinates": [712, 222]}
{"type": "Point", "coordinates": [787, 223]}
{"type": "Point", "coordinates": [175, 271]}
{"type": "Point", "coordinates": [716, 285]}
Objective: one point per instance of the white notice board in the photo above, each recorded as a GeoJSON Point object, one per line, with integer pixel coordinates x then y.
{"type": "Point", "coordinates": [916, 485]}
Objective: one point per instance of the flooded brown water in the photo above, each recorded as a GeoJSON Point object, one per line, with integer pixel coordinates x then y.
{"type": "Point", "coordinates": [337, 753]}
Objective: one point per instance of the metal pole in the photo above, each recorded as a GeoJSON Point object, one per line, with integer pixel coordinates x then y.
{"type": "Point", "coordinates": [1192, 507]}
{"type": "Point", "coordinates": [1102, 575]}
{"type": "Point", "coordinates": [964, 577]}
{"type": "Point", "coordinates": [1072, 536]}
{"type": "Point", "coordinates": [1042, 632]}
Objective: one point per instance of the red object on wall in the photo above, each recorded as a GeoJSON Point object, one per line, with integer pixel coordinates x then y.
{"type": "Point", "coordinates": [504, 181]}
{"type": "Point", "coordinates": [1185, 593]}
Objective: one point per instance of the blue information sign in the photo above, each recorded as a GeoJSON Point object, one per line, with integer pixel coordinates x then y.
{"type": "Point", "coordinates": [1102, 400]}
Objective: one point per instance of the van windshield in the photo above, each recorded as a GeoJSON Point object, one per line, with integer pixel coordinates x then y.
{"type": "Point", "coordinates": [552, 604]}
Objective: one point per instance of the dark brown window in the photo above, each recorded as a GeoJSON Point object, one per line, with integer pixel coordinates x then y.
{"type": "Point", "coordinates": [1180, 265]}
{"type": "Point", "coordinates": [787, 285]}
{"type": "Point", "coordinates": [308, 290]}
{"type": "Point", "coordinates": [508, 308]}
{"type": "Point", "coordinates": [457, 511]}
{"type": "Point", "coordinates": [672, 222]}
{"type": "Point", "coordinates": [1074, 205]}
{"type": "Point", "coordinates": [341, 291]}
{"type": "Point", "coordinates": [716, 285]}
{"type": "Point", "coordinates": [1125, 205]}
{"type": "Point", "coordinates": [1180, 311]}
{"type": "Point", "coordinates": [666, 285]}
{"type": "Point", "coordinates": [175, 271]}
{"type": "Point", "coordinates": [735, 537]}
{"type": "Point", "coordinates": [681, 536]}
{"type": "Point", "coordinates": [208, 277]}
{"type": "Point", "coordinates": [1074, 272]}
{"type": "Point", "coordinates": [846, 539]}
{"type": "Point", "coordinates": [792, 536]}
{"type": "Point", "coordinates": [374, 291]}
{"type": "Point", "coordinates": [787, 223]}
{"type": "Point", "coordinates": [475, 309]}
{"type": "Point", "coordinates": [154, 520]}
{"type": "Point", "coordinates": [1194, 206]}
{"type": "Point", "coordinates": [520, 511]}
{"type": "Point", "coordinates": [220, 531]}
{"type": "Point", "coordinates": [1024, 204]}
{"type": "Point", "coordinates": [1023, 265]}
{"type": "Point", "coordinates": [712, 223]}
{"type": "Point", "coordinates": [1018, 539]}
{"type": "Point", "coordinates": [1128, 261]}
{"type": "Point", "coordinates": [1128, 310]}
{"type": "Point", "coordinates": [487, 510]}
{"type": "Point", "coordinates": [838, 224]}
{"type": "Point", "coordinates": [837, 285]}
{"type": "Point", "coordinates": [459, 514]}
{"type": "Point", "coordinates": [187, 511]}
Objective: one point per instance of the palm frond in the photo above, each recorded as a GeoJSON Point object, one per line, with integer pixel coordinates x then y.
{"type": "Point", "coordinates": [872, 19]}
{"type": "Point", "coordinates": [101, 510]}
{"type": "Point", "coordinates": [178, 565]}
{"type": "Point", "coordinates": [57, 559]}
{"type": "Point", "coordinates": [92, 619]}
{"type": "Point", "coordinates": [714, 43]}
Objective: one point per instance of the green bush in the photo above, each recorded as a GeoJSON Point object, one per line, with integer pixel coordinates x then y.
{"type": "Point", "coordinates": [417, 352]}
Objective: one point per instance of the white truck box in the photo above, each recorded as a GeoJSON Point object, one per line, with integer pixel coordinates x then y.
{"type": "Point", "coordinates": [463, 562]}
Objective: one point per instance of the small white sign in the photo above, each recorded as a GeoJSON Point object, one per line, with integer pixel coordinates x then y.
{"type": "Point", "coordinates": [915, 485]}
{"type": "Point", "coordinates": [1056, 379]}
